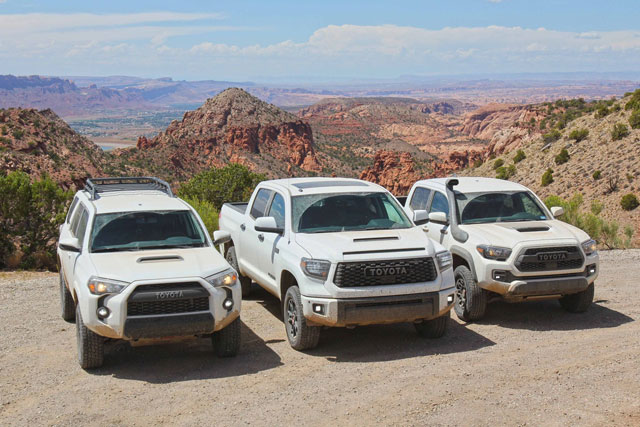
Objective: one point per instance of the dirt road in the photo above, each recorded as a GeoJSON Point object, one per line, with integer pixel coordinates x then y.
{"type": "Point", "coordinates": [525, 364]}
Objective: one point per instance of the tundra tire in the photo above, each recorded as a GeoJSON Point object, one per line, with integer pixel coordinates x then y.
{"type": "Point", "coordinates": [245, 282]}
{"type": "Point", "coordinates": [300, 335]}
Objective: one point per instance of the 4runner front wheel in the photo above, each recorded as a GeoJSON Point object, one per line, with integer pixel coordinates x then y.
{"type": "Point", "coordinates": [226, 342]}
{"type": "Point", "coordinates": [300, 335]}
{"type": "Point", "coordinates": [245, 282]}
{"type": "Point", "coordinates": [434, 328]}
{"type": "Point", "coordinates": [90, 345]}
{"type": "Point", "coordinates": [578, 303]}
{"type": "Point", "coordinates": [67, 305]}
{"type": "Point", "coordinates": [471, 299]}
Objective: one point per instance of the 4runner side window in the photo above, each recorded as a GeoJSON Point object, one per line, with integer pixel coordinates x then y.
{"type": "Point", "coordinates": [439, 203]}
{"type": "Point", "coordinates": [420, 198]}
{"type": "Point", "coordinates": [71, 208]}
{"type": "Point", "coordinates": [82, 225]}
{"type": "Point", "coordinates": [260, 203]}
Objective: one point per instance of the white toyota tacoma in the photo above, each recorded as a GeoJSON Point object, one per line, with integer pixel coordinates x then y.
{"type": "Point", "coordinates": [338, 252]}
{"type": "Point", "coordinates": [137, 264]}
{"type": "Point", "coordinates": [506, 244]}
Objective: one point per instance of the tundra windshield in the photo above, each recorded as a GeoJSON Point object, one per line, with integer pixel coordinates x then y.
{"type": "Point", "coordinates": [326, 213]}
{"type": "Point", "coordinates": [477, 208]}
{"type": "Point", "coordinates": [132, 231]}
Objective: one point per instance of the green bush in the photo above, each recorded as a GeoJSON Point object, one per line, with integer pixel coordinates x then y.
{"type": "Point", "coordinates": [619, 131]}
{"type": "Point", "coordinates": [602, 112]}
{"type": "Point", "coordinates": [547, 177]}
{"type": "Point", "coordinates": [579, 134]}
{"type": "Point", "coordinates": [520, 156]}
{"type": "Point", "coordinates": [597, 175]}
{"type": "Point", "coordinates": [634, 102]}
{"type": "Point", "coordinates": [505, 172]}
{"type": "Point", "coordinates": [552, 136]}
{"type": "Point", "coordinates": [562, 157]}
{"type": "Point", "coordinates": [17, 133]}
{"type": "Point", "coordinates": [477, 163]}
{"type": "Point", "coordinates": [634, 120]}
{"type": "Point", "coordinates": [497, 164]}
{"type": "Point", "coordinates": [207, 212]}
{"type": "Point", "coordinates": [629, 202]}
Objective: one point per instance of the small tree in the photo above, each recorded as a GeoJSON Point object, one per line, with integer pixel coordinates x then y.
{"type": "Point", "coordinates": [629, 202]}
{"type": "Point", "coordinates": [619, 131]}
{"type": "Point", "coordinates": [634, 120]}
{"type": "Point", "coordinates": [562, 157]}
{"type": "Point", "coordinates": [547, 177]}
{"type": "Point", "coordinates": [552, 136]}
{"type": "Point", "coordinates": [579, 134]}
{"type": "Point", "coordinates": [497, 164]}
{"type": "Point", "coordinates": [505, 172]}
{"type": "Point", "coordinates": [520, 156]}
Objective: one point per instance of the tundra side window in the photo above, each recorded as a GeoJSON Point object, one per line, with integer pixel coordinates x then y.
{"type": "Point", "coordinates": [277, 210]}
{"type": "Point", "coordinates": [439, 203]}
{"type": "Point", "coordinates": [420, 198]}
{"type": "Point", "coordinates": [260, 203]}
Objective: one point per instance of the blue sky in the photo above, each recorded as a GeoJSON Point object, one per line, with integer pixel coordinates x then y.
{"type": "Point", "coordinates": [242, 40]}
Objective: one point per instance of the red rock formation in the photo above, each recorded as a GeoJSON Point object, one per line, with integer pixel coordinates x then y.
{"type": "Point", "coordinates": [394, 171]}
{"type": "Point", "coordinates": [456, 161]}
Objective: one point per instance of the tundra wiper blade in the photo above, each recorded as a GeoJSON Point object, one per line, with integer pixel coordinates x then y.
{"type": "Point", "coordinates": [114, 249]}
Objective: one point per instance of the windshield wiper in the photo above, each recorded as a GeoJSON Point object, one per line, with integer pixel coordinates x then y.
{"type": "Point", "coordinates": [191, 245]}
{"type": "Point", "coordinates": [115, 249]}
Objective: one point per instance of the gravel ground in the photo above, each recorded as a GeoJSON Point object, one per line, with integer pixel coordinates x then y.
{"type": "Point", "coordinates": [525, 364]}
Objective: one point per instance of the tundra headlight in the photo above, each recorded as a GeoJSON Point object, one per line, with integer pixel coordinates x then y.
{"type": "Point", "coordinates": [100, 286]}
{"type": "Point", "coordinates": [590, 247]}
{"type": "Point", "coordinates": [316, 268]}
{"type": "Point", "coordinates": [494, 252]}
{"type": "Point", "coordinates": [445, 260]}
{"type": "Point", "coordinates": [224, 278]}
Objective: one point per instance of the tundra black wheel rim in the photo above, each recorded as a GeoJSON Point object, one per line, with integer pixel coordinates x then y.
{"type": "Point", "coordinates": [461, 292]}
{"type": "Point", "coordinates": [292, 319]}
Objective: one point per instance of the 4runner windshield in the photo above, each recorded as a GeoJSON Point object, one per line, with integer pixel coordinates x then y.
{"type": "Point", "coordinates": [326, 213]}
{"type": "Point", "coordinates": [478, 208]}
{"type": "Point", "coordinates": [132, 231]}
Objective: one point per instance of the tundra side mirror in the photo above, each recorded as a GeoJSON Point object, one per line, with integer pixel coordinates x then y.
{"type": "Point", "coordinates": [70, 244]}
{"type": "Point", "coordinates": [420, 217]}
{"type": "Point", "coordinates": [438, 217]}
{"type": "Point", "coordinates": [267, 224]}
{"type": "Point", "coordinates": [221, 237]}
{"type": "Point", "coordinates": [557, 211]}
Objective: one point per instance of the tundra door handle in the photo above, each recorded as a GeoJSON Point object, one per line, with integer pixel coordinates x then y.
{"type": "Point", "coordinates": [261, 237]}
{"type": "Point", "coordinates": [242, 227]}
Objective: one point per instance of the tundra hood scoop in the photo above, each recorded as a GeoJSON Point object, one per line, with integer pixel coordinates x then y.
{"type": "Point", "coordinates": [375, 239]}
{"type": "Point", "coordinates": [532, 229]}
{"type": "Point", "coordinates": [160, 258]}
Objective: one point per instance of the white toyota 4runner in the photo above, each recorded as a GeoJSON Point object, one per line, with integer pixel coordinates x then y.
{"type": "Point", "coordinates": [137, 264]}
{"type": "Point", "coordinates": [505, 243]}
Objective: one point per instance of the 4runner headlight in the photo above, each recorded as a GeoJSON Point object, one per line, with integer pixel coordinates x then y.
{"type": "Point", "coordinates": [317, 268]}
{"type": "Point", "coordinates": [590, 247]}
{"type": "Point", "coordinates": [494, 252]}
{"type": "Point", "coordinates": [445, 260]}
{"type": "Point", "coordinates": [100, 286]}
{"type": "Point", "coordinates": [225, 278]}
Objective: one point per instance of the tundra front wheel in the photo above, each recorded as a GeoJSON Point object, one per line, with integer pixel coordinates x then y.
{"type": "Point", "coordinates": [471, 299]}
{"type": "Point", "coordinates": [434, 328]}
{"type": "Point", "coordinates": [90, 345]}
{"type": "Point", "coordinates": [245, 282]}
{"type": "Point", "coordinates": [578, 303]}
{"type": "Point", "coordinates": [300, 335]}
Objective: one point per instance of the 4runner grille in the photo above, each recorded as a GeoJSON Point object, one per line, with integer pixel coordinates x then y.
{"type": "Point", "coordinates": [550, 259]}
{"type": "Point", "coordinates": [392, 272]}
{"type": "Point", "coordinates": [169, 298]}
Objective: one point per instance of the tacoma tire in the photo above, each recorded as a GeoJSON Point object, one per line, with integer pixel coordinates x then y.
{"type": "Point", "coordinates": [300, 335]}
{"type": "Point", "coordinates": [245, 282]}
{"type": "Point", "coordinates": [434, 328]}
{"type": "Point", "coordinates": [471, 299]}
{"type": "Point", "coordinates": [578, 303]}
{"type": "Point", "coordinates": [68, 306]}
{"type": "Point", "coordinates": [90, 345]}
{"type": "Point", "coordinates": [226, 342]}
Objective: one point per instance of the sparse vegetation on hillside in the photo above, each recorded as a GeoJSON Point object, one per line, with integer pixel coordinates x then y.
{"type": "Point", "coordinates": [634, 102]}
{"type": "Point", "coordinates": [547, 177]}
{"type": "Point", "coordinates": [619, 131]}
{"type": "Point", "coordinates": [579, 134]}
{"type": "Point", "coordinates": [552, 136]}
{"type": "Point", "coordinates": [629, 202]}
{"type": "Point", "coordinates": [505, 172]}
{"type": "Point", "coordinates": [520, 156]}
{"type": "Point", "coordinates": [597, 175]}
{"type": "Point", "coordinates": [634, 120]}
{"type": "Point", "coordinates": [562, 157]}
{"type": "Point", "coordinates": [498, 163]}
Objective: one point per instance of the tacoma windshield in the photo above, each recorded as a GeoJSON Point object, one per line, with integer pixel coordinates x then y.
{"type": "Point", "coordinates": [325, 213]}
{"type": "Point", "coordinates": [132, 231]}
{"type": "Point", "coordinates": [477, 208]}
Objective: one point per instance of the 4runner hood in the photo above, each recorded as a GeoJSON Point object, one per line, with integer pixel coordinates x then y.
{"type": "Point", "coordinates": [158, 264]}
{"type": "Point", "coordinates": [508, 234]}
{"type": "Point", "coordinates": [386, 244]}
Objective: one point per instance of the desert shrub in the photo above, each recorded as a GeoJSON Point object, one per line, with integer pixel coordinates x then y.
{"type": "Point", "coordinates": [562, 157]}
{"type": "Point", "coordinates": [477, 163]}
{"type": "Point", "coordinates": [520, 156]}
{"type": "Point", "coordinates": [552, 136]}
{"type": "Point", "coordinates": [634, 120]}
{"type": "Point", "coordinates": [17, 133]}
{"type": "Point", "coordinates": [207, 212]}
{"type": "Point", "coordinates": [497, 164]}
{"type": "Point", "coordinates": [619, 131]}
{"type": "Point", "coordinates": [3, 129]}
{"type": "Point", "coordinates": [634, 102]}
{"type": "Point", "coordinates": [596, 207]}
{"type": "Point", "coordinates": [547, 177]}
{"type": "Point", "coordinates": [597, 175]}
{"type": "Point", "coordinates": [602, 112]}
{"type": "Point", "coordinates": [629, 202]}
{"type": "Point", "coordinates": [505, 172]}
{"type": "Point", "coordinates": [579, 134]}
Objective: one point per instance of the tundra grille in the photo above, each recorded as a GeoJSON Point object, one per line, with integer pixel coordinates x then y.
{"type": "Point", "coordinates": [169, 298]}
{"type": "Point", "coordinates": [393, 272]}
{"type": "Point", "coordinates": [550, 259]}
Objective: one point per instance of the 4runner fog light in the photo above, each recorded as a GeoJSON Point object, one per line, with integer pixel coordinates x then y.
{"type": "Point", "coordinates": [228, 304]}
{"type": "Point", "coordinates": [102, 312]}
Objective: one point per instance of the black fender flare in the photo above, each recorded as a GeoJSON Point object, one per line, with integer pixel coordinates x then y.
{"type": "Point", "coordinates": [464, 254]}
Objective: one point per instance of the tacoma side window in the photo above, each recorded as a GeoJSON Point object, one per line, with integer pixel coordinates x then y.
{"type": "Point", "coordinates": [420, 198]}
{"type": "Point", "coordinates": [260, 203]}
{"type": "Point", "coordinates": [439, 203]}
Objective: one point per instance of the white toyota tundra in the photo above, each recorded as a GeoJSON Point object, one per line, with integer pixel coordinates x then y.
{"type": "Point", "coordinates": [505, 243]}
{"type": "Point", "coordinates": [136, 263]}
{"type": "Point", "coordinates": [338, 252]}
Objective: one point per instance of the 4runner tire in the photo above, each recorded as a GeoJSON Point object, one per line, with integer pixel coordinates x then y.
{"type": "Point", "coordinates": [578, 303]}
{"type": "Point", "coordinates": [90, 345]}
{"type": "Point", "coordinates": [68, 306]}
{"type": "Point", "coordinates": [434, 328]}
{"type": "Point", "coordinates": [226, 342]}
{"type": "Point", "coordinates": [300, 335]}
{"type": "Point", "coordinates": [245, 282]}
{"type": "Point", "coordinates": [471, 299]}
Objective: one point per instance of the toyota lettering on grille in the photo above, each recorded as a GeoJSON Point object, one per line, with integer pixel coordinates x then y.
{"type": "Point", "coordinates": [552, 256]}
{"type": "Point", "coordinates": [169, 294]}
{"type": "Point", "coordinates": [385, 271]}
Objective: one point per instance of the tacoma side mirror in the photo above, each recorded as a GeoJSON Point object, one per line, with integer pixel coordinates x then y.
{"type": "Point", "coordinates": [557, 211]}
{"type": "Point", "coordinates": [420, 217]}
{"type": "Point", "coordinates": [70, 244]}
{"type": "Point", "coordinates": [438, 218]}
{"type": "Point", "coordinates": [267, 224]}
{"type": "Point", "coordinates": [221, 237]}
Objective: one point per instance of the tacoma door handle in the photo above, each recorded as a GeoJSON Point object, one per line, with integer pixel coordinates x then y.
{"type": "Point", "coordinates": [242, 227]}
{"type": "Point", "coordinates": [261, 237]}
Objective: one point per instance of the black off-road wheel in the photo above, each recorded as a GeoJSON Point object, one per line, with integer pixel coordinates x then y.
{"type": "Point", "coordinates": [578, 303]}
{"type": "Point", "coordinates": [471, 299]}
{"type": "Point", "coordinates": [245, 282]}
{"type": "Point", "coordinates": [90, 345]}
{"type": "Point", "coordinates": [226, 342]}
{"type": "Point", "coordinates": [300, 335]}
{"type": "Point", "coordinates": [434, 328]}
{"type": "Point", "coordinates": [67, 305]}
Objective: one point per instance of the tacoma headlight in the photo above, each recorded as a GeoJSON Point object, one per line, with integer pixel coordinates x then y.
{"type": "Point", "coordinates": [445, 260]}
{"type": "Point", "coordinates": [224, 278]}
{"type": "Point", "coordinates": [317, 268]}
{"type": "Point", "coordinates": [590, 247]}
{"type": "Point", "coordinates": [494, 252]}
{"type": "Point", "coordinates": [100, 286]}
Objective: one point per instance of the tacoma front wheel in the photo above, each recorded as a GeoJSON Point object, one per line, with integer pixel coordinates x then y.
{"type": "Point", "coordinates": [471, 299]}
{"type": "Point", "coordinates": [580, 302]}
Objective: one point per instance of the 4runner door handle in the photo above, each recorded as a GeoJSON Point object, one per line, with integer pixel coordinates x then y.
{"type": "Point", "coordinates": [261, 237]}
{"type": "Point", "coordinates": [242, 227]}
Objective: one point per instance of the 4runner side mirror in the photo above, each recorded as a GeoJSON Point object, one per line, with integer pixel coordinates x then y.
{"type": "Point", "coordinates": [420, 217]}
{"type": "Point", "coordinates": [557, 211]}
{"type": "Point", "coordinates": [70, 244]}
{"type": "Point", "coordinates": [221, 237]}
{"type": "Point", "coordinates": [267, 224]}
{"type": "Point", "coordinates": [438, 217]}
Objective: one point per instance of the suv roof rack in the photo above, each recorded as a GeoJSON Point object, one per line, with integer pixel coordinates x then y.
{"type": "Point", "coordinates": [95, 186]}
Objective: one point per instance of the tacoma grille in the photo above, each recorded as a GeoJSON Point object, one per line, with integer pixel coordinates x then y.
{"type": "Point", "coordinates": [550, 259]}
{"type": "Point", "coordinates": [169, 298]}
{"type": "Point", "coordinates": [393, 272]}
